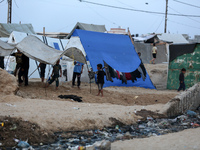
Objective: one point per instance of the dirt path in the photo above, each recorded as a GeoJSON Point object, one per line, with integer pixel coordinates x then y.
{"type": "Point", "coordinates": [184, 140]}
{"type": "Point", "coordinates": [127, 96]}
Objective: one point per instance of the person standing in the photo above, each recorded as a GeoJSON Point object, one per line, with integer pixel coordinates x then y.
{"type": "Point", "coordinates": [78, 70]}
{"type": "Point", "coordinates": [24, 69]}
{"type": "Point", "coordinates": [100, 79]}
{"type": "Point", "coordinates": [42, 71]}
{"type": "Point", "coordinates": [2, 62]}
{"type": "Point", "coordinates": [18, 56]}
{"type": "Point", "coordinates": [55, 74]}
{"type": "Point", "coordinates": [154, 53]}
{"type": "Point", "coordinates": [181, 80]}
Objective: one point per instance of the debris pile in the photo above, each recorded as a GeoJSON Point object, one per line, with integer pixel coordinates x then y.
{"type": "Point", "coordinates": [96, 139]}
{"type": "Point", "coordinates": [8, 83]}
{"type": "Point", "coordinates": [20, 133]}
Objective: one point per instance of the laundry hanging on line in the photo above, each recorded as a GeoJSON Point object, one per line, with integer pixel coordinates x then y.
{"type": "Point", "coordinates": [124, 76]}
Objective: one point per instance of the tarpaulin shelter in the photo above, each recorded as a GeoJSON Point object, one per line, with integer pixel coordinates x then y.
{"type": "Point", "coordinates": [183, 56]}
{"type": "Point", "coordinates": [7, 29]}
{"type": "Point", "coordinates": [117, 51]}
{"type": "Point", "coordinates": [88, 27]}
{"type": "Point", "coordinates": [5, 48]}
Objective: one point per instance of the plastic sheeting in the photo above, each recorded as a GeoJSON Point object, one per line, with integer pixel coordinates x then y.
{"type": "Point", "coordinates": [5, 48]}
{"type": "Point", "coordinates": [34, 48]}
{"type": "Point", "coordinates": [116, 50]}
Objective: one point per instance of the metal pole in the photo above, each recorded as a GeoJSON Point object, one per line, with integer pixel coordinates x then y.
{"type": "Point", "coordinates": [9, 11]}
{"type": "Point", "coordinates": [166, 11]}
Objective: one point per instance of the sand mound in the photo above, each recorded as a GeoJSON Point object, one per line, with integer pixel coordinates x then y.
{"type": "Point", "coordinates": [8, 83]}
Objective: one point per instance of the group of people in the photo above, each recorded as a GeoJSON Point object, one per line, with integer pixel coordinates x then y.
{"type": "Point", "coordinates": [22, 68]}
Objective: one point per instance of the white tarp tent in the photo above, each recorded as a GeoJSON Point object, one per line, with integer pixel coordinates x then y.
{"type": "Point", "coordinates": [38, 50]}
{"type": "Point", "coordinates": [34, 48]}
{"type": "Point", "coordinates": [75, 43]}
{"type": "Point", "coordinates": [17, 37]}
{"type": "Point", "coordinates": [5, 48]}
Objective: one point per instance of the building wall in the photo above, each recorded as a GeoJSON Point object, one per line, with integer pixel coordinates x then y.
{"type": "Point", "coordinates": [188, 100]}
{"type": "Point", "coordinates": [146, 52]}
{"type": "Point", "coordinates": [191, 62]}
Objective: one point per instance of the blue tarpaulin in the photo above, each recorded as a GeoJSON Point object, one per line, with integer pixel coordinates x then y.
{"type": "Point", "coordinates": [116, 50]}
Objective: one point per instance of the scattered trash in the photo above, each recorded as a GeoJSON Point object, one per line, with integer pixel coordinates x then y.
{"type": "Point", "coordinates": [10, 105]}
{"type": "Point", "coordinates": [100, 139]}
{"type": "Point", "coordinates": [191, 113]}
{"type": "Point", "coordinates": [136, 97]}
{"type": "Point", "coordinates": [76, 108]}
{"type": "Point", "coordinates": [22, 144]}
{"type": "Point", "coordinates": [2, 124]}
{"type": "Point", "coordinates": [72, 97]}
{"type": "Point", "coordinates": [14, 127]}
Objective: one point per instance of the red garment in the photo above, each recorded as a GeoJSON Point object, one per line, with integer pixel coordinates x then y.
{"type": "Point", "coordinates": [128, 76]}
{"type": "Point", "coordinates": [118, 74]}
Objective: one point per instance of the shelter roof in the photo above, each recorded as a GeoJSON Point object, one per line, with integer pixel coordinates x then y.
{"type": "Point", "coordinates": [172, 38]}
{"type": "Point", "coordinates": [7, 29]}
{"type": "Point", "coordinates": [88, 27]}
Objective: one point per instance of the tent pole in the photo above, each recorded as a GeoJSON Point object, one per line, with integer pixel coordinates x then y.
{"type": "Point", "coordinates": [37, 67]}
{"type": "Point", "coordinates": [129, 33]}
{"type": "Point", "coordinates": [33, 72]}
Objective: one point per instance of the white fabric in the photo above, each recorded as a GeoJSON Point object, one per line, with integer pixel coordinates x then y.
{"type": "Point", "coordinates": [34, 48]}
{"type": "Point", "coordinates": [5, 48]}
{"type": "Point", "coordinates": [174, 38]}
{"type": "Point", "coordinates": [143, 38]}
{"type": "Point", "coordinates": [75, 42]}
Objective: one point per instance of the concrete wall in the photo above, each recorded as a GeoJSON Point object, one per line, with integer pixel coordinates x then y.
{"type": "Point", "coordinates": [187, 100]}
{"type": "Point", "coordinates": [146, 54]}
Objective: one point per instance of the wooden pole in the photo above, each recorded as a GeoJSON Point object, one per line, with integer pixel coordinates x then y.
{"type": "Point", "coordinates": [9, 17]}
{"type": "Point", "coordinates": [43, 31]}
{"type": "Point", "coordinates": [166, 11]}
{"type": "Point", "coordinates": [129, 33]}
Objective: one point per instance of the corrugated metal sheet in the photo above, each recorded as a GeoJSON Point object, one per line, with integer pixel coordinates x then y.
{"type": "Point", "coordinates": [7, 29]}
{"type": "Point", "coordinates": [191, 62]}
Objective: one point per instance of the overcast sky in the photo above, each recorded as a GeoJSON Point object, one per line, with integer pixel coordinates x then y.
{"type": "Point", "coordinates": [62, 15]}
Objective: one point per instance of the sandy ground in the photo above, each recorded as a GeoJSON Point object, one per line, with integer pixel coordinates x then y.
{"type": "Point", "coordinates": [43, 107]}
{"type": "Point", "coordinates": [184, 140]}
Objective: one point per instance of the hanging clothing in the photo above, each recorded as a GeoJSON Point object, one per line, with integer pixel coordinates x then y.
{"type": "Point", "coordinates": [135, 74]}
{"type": "Point", "coordinates": [108, 76]}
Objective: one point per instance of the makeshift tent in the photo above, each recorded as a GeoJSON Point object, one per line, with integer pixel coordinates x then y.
{"type": "Point", "coordinates": [117, 51]}
{"type": "Point", "coordinates": [34, 48]}
{"type": "Point", "coordinates": [184, 56]}
{"type": "Point", "coordinates": [59, 44]}
{"type": "Point", "coordinates": [146, 39]}
{"type": "Point", "coordinates": [88, 27]}
{"type": "Point", "coordinates": [5, 48]}
{"type": "Point", "coordinates": [7, 29]}
{"type": "Point", "coordinates": [172, 38]}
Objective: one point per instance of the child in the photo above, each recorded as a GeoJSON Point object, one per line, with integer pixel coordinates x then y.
{"type": "Point", "coordinates": [154, 52]}
{"type": "Point", "coordinates": [55, 74]}
{"type": "Point", "coordinates": [100, 79]}
{"type": "Point", "coordinates": [181, 79]}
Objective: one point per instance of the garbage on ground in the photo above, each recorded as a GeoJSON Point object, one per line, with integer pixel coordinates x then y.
{"type": "Point", "coordinates": [100, 139]}
{"type": "Point", "coordinates": [22, 144]}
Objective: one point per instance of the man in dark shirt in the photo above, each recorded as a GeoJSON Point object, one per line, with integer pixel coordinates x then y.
{"type": "Point", "coordinates": [2, 62]}
{"type": "Point", "coordinates": [55, 74]}
{"type": "Point", "coordinates": [181, 79]}
{"type": "Point", "coordinates": [25, 67]}
{"type": "Point", "coordinates": [42, 71]}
